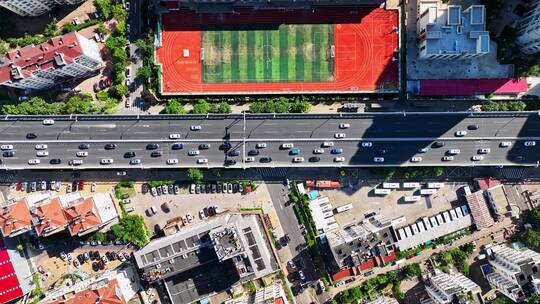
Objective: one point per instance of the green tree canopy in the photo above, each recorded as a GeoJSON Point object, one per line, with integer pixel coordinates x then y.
{"type": "Point", "coordinates": [195, 175]}
{"type": "Point", "coordinates": [131, 229]}
{"type": "Point", "coordinates": [173, 106]}
{"type": "Point", "coordinates": [144, 72]}
{"type": "Point", "coordinates": [79, 104]}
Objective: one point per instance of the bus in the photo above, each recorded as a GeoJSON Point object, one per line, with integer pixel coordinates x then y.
{"type": "Point", "coordinates": [343, 208]}
{"type": "Point", "coordinates": [435, 185]}
{"type": "Point", "coordinates": [428, 191]}
{"type": "Point", "coordinates": [390, 185]}
{"type": "Point", "coordinates": [411, 185]}
{"type": "Point", "coordinates": [412, 198]}
{"type": "Point", "coordinates": [382, 191]}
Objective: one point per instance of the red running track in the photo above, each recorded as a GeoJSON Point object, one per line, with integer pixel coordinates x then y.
{"type": "Point", "coordinates": [364, 39]}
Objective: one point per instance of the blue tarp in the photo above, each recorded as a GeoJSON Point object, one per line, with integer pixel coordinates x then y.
{"type": "Point", "coordinates": [313, 194]}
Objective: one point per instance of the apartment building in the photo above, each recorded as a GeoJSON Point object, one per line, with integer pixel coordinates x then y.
{"type": "Point", "coordinates": [33, 7]}
{"type": "Point", "coordinates": [43, 66]}
{"type": "Point", "coordinates": [514, 272]}
{"type": "Point", "coordinates": [445, 288]}
{"type": "Point", "coordinates": [528, 29]}
{"type": "Point", "coordinates": [448, 32]}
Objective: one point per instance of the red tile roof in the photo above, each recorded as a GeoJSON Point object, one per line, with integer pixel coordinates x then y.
{"type": "Point", "coordinates": [389, 258]}
{"type": "Point", "coordinates": [479, 210]}
{"type": "Point", "coordinates": [367, 264]}
{"type": "Point", "coordinates": [14, 217]}
{"type": "Point", "coordinates": [82, 216]}
{"type": "Point", "coordinates": [39, 57]}
{"type": "Point", "coordinates": [50, 216]}
{"type": "Point", "coordinates": [468, 87]}
{"type": "Point", "coordinates": [486, 183]}
{"type": "Point", "coordinates": [108, 294]}
{"type": "Point", "coordinates": [341, 274]}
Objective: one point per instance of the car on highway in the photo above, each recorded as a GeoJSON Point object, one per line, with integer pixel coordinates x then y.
{"type": "Point", "coordinates": [260, 145]}
{"type": "Point", "coordinates": [484, 150]}
{"type": "Point", "coordinates": [194, 152]}
{"type": "Point", "coordinates": [438, 144]}
{"type": "Point", "coordinates": [367, 144]}
{"type": "Point", "coordinates": [423, 150]}
{"type": "Point", "coordinates": [253, 152]}
{"type": "Point", "coordinates": [250, 159]}
{"type": "Point", "coordinates": [327, 144]}
{"type": "Point", "coordinates": [156, 154]}
{"type": "Point", "coordinates": [447, 158]}
{"type": "Point", "coordinates": [298, 159]}
{"type": "Point", "coordinates": [177, 146]}
{"type": "Point", "coordinates": [110, 146]}
{"type": "Point", "coordinates": [6, 147]}
{"type": "Point", "coordinates": [42, 153]}
{"type": "Point", "coordinates": [416, 159]}
{"type": "Point", "coordinates": [224, 146]}
{"type": "Point", "coordinates": [318, 151]}
{"type": "Point", "coordinates": [204, 146]}
{"type": "Point", "coordinates": [339, 159]}
{"type": "Point", "coordinates": [294, 152]}
{"type": "Point", "coordinates": [336, 151]}
{"type": "Point", "coordinates": [31, 135]}
{"type": "Point", "coordinates": [81, 154]}
{"type": "Point", "coordinates": [106, 161]}
{"type": "Point", "coordinates": [75, 162]}
{"type": "Point", "coordinates": [202, 161]}
{"type": "Point", "coordinates": [48, 122]}
{"type": "Point", "coordinates": [287, 146]}
{"type": "Point", "coordinates": [453, 151]}
{"type": "Point", "coordinates": [195, 128]}
{"type": "Point", "coordinates": [233, 153]}
{"type": "Point", "coordinates": [172, 161]}
{"type": "Point", "coordinates": [314, 159]}
{"type": "Point", "coordinates": [461, 133]}
{"type": "Point", "coordinates": [529, 143]}
{"type": "Point", "coordinates": [339, 135]}
{"type": "Point", "coordinates": [265, 159]}
{"type": "Point", "coordinates": [477, 157]}
{"type": "Point", "coordinates": [378, 159]}
{"type": "Point", "coordinates": [34, 161]}
{"type": "Point", "coordinates": [8, 153]}
{"type": "Point", "coordinates": [152, 146]}
{"type": "Point", "coordinates": [41, 147]}
{"type": "Point", "coordinates": [129, 154]}
{"type": "Point", "coordinates": [84, 146]}
{"type": "Point", "coordinates": [473, 127]}
{"type": "Point", "coordinates": [344, 126]}
{"type": "Point", "coordinates": [134, 161]}
{"type": "Point", "coordinates": [55, 161]}
{"type": "Point", "coordinates": [174, 136]}
{"type": "Point", "coordinates": [505, 144]}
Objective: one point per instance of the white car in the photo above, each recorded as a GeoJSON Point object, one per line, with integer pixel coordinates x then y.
{"type": "Point", "coordinates": [135, 161]}
{"type": "Point", "coordinates": [201, 214]}
{"type": "Point", "coordinates": [318, 151]}
{"type": "Point", "coordinates": [477, 158]}
{"type": "Point", "coordinates": [202, 161]}
{"type": "Point", "coordinates": [195, 128]}
{"type": "Point", "coordinates": [260, 145]}
{"type": "Point", "coordinates": [250, 159]}
{"type": "Point", "coordinates": [174, 136]}
{"type": "Point", "coordinates": [339, 159]}
{"type": "Point", "coordinates": [75, 162]}
{"type": "Point", "coordinates": [344, 126]}
{"type": "Point", "coordinates": [298, 160]}
{"type": "Point", "coordinates": [93, 187]}
{"type": "Point", "coordinates": [448, 158]}
{"type": "Point", "coordinates": [484, 150]}
{"type": "Point", "coordinates": [81, 154]}
{"type": "Point", "coordinates": [454, 151]}
{"type": "Point", "coordinates": [48, 122]}
{"type": "Point", "coordinates": [6, 147]}
{"type": "Point", "coordinates": [328, 144]}
{"type": "Point", "coordinates": [529, 143]}
{"type": "Point", "coordinates": [287, 146]}
{"type": "Point", "coordinates": [42, 153]}
{"type": "Point", "coordinates": [416, 159]}
{"type": "Point", "coordinates": [461, 133]}
{"type": "Point", "coordinates": [339, 135]}
{"type": "Point", "coordinates": [128, 102]}
{"type": "Point", "coordinates": [194, 153]}
{"type": "Point", "coordinates": [505, 144]}
{"type": "Point", "coordinates": [34, 161]}
{"type": "Point", "coordinates": [106, 161]}
{"type": "Point", "coordinates": [41, 147]}
{"type": "Point", "coordinates": [378, 159]}
{"type": "Point", "coordinates": [367, 144]}
{"type": "Point", "coordinates": [172, 161]}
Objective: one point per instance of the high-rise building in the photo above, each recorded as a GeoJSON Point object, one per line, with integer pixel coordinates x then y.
{"type": "Point", "coordinates": [33, 7]}
{"type": "Point", "coordinates": [528, 29]}
{"type": "Point", "coordinates": [445, 288]}
{"type": "Point", "coordinates": [514, 272]}
{"type": "Point", "coordinates": [45, 65]}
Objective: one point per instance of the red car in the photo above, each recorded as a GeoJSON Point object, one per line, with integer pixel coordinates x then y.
{"type": "Point", "coordinates": [81, 185]}
{"type": "Point", "coordinates": [18, 187]}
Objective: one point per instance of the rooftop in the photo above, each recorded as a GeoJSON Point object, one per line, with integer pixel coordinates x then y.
{"type": "Point", "coordinates": [479, 210]}
{"type": "Point", "coordinates": [323, 214]}
{"type": "Point", "coordinates": [108, 293]}
{"type": "Point", "coordinates": [15, 217]}
{"type": "Point", "coordinates": [48, 217]}
{"type": "Point", "coordinates": [82, 216]}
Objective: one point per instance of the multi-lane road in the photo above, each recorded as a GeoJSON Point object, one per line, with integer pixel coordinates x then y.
{"type": "Point", "coordinates": [395, 137]}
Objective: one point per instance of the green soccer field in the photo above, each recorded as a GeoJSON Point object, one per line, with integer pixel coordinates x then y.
{"type": "Point", "coordinates": [288, 53]}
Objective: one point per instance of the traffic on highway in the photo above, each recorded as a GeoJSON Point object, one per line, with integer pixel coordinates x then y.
{"type": "Point", "coordinates": [240, 141]}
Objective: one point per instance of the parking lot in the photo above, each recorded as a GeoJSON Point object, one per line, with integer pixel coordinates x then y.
{"type": "Point", "coordinates": [169, 206]}
{"type": "Point", "coordinates": [392, 205]}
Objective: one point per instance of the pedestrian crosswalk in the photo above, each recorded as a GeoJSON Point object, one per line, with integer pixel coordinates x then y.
{"type": "Point", "coordinates": [273, 172]}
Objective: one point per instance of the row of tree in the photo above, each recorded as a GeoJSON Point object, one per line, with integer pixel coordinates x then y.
{"type": "Point", "coordinates": [77, 104]}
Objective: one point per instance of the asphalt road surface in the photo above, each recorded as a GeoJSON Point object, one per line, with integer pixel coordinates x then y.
{"type": "Point", "coordinates": [394, 137]}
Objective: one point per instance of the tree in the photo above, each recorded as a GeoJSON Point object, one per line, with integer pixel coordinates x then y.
{"type": "Point", "coordinates": [50, 30]}
{"type": "Point", "coordinates": [142, 46]}
{"type": "Point", "coordinates": [201, 107]}
{"type": "Point", "coordinates": [79, 104]}
{"type": "Point", "coordinates": [19, 247]}
{"type": "Point", "coordinates": [104, 8]}
{"type": "Point", "coordinates": [118, 12]}
{"type": "Point", "coordinates": [534, 299]}
{"type": "Point", "coordinates": [98, 236]}
{"type": "Point", "coordinates": [131, 229]}
{"type": "Point", "coordinates": [531, 239]}
{"type": "Point", "coordinates": [68, 28]}
{"type": "Point", "coordinates": [120, 90]}
{"type": "Point", "coordinates": [101, 29]}
{"type": "Point", "coordinates": [119, 30]}
{"type": "Point", "coordinates": [412, 270]}
{"type": "Point", "coordinates": [144, 72]}
{"type": "Point", "coordinates": [438, 171]}
{"type": "Point", "coordinates": [3, 48]}
{"type": "Point", "coordinates": [173, 106]}
{"type": "Point", "coordinates": [301, 106]}
{"type": "Point", "coordinates": [195, 175]}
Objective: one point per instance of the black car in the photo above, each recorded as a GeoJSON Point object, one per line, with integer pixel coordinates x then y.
{"type": "Point", "coordinates": [473, 127]}
{"type": "Point", "coordinates": [110, 146]}
{"type": "Point", "coordinates": [230, 162]}
{"type": "Point", "coordinates": [84, 146]}
{"type": "Point", "coordinates": [129, 154]}
{"type": "Point", "coordinates": [253, 152]}
{"type": "Point", "coordinates": [144, 188]}
{"type": "Point", "coordinates": [336, 151]}
{"type": "Point", "coordinates": [152, 146]}
{"type": "Point", "coordinates": [234, 153]}
{"type": "Point", "coordinates": [177, 146]}
{"type": "Point", "coordinates": [55, 161]}
{"type": "Point", "coordinates": [31, 135]}
{"type": "Point", "coordinates": [158, 190]}
{"type": "Point", "coordinates": [265, 159]}
{"type": "Point", "coordinates": [208, 188]}
{"type": "Point", "coordinates": [171, 189]}
{"type": "Point", "coordinates": [204, 146]}
{"type": "Point", "coordinates": [95, 266]}
{"type": "Point", "coordinates": [156, 154]}
{"type": "Point", "coordinates": [225, 146]}
{"type": "Point", "coordinates": [314, 159]}
{"type": "Point", "coordinates": [8, 153]}
{"type": "Point", "coordinates": [438, 144]}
